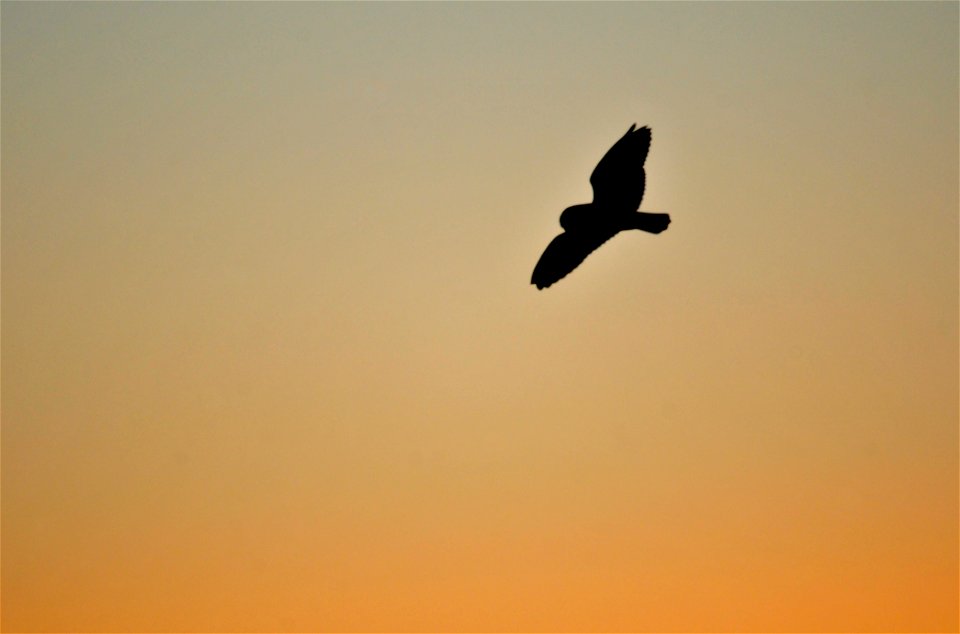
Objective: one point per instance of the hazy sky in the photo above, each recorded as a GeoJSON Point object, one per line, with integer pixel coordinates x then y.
{"type": "Point", "coordinates": [272, 361]}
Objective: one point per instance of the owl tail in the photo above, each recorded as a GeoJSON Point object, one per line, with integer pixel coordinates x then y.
{"type": "Point", "coordinates": [651, 223]}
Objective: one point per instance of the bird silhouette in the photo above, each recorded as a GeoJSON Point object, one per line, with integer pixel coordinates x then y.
{"type": "Point", "coordinates": [618, 181]}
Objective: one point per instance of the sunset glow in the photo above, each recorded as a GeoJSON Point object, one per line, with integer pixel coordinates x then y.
{"type": "Point", "coordinates": [272, 360]}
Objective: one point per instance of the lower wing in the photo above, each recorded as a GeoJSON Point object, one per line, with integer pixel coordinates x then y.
{"type": "Point", "coordinates": [565, 253]}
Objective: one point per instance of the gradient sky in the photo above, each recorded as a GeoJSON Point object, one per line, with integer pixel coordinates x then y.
{"type": "Point", "coordinates": [272, 361]}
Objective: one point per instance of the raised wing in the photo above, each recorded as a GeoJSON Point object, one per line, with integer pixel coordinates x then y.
{"type": "Point", "coordinates": [618, 179]}
{"type": "Point", "coordinates": [565, 253]}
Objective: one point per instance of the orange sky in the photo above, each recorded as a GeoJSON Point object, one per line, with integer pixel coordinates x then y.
{"type": "Point", "coordinates": [272, 362]}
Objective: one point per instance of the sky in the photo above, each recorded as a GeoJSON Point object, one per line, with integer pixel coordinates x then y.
{"type": "Point", "coordinates": [272, 361]}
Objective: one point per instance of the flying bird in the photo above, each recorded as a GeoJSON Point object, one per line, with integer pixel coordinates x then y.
{"type": "Point", "coordinates": [618, 181]}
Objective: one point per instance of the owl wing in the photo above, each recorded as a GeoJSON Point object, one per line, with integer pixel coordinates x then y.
{"type": "Point", "coordinates": [565, 253]}
{"type": "Point", "coordinates": [618, 179]}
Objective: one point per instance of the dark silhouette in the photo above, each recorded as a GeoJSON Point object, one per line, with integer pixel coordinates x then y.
{"type": "Point", "coordinates": [618, 181]}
